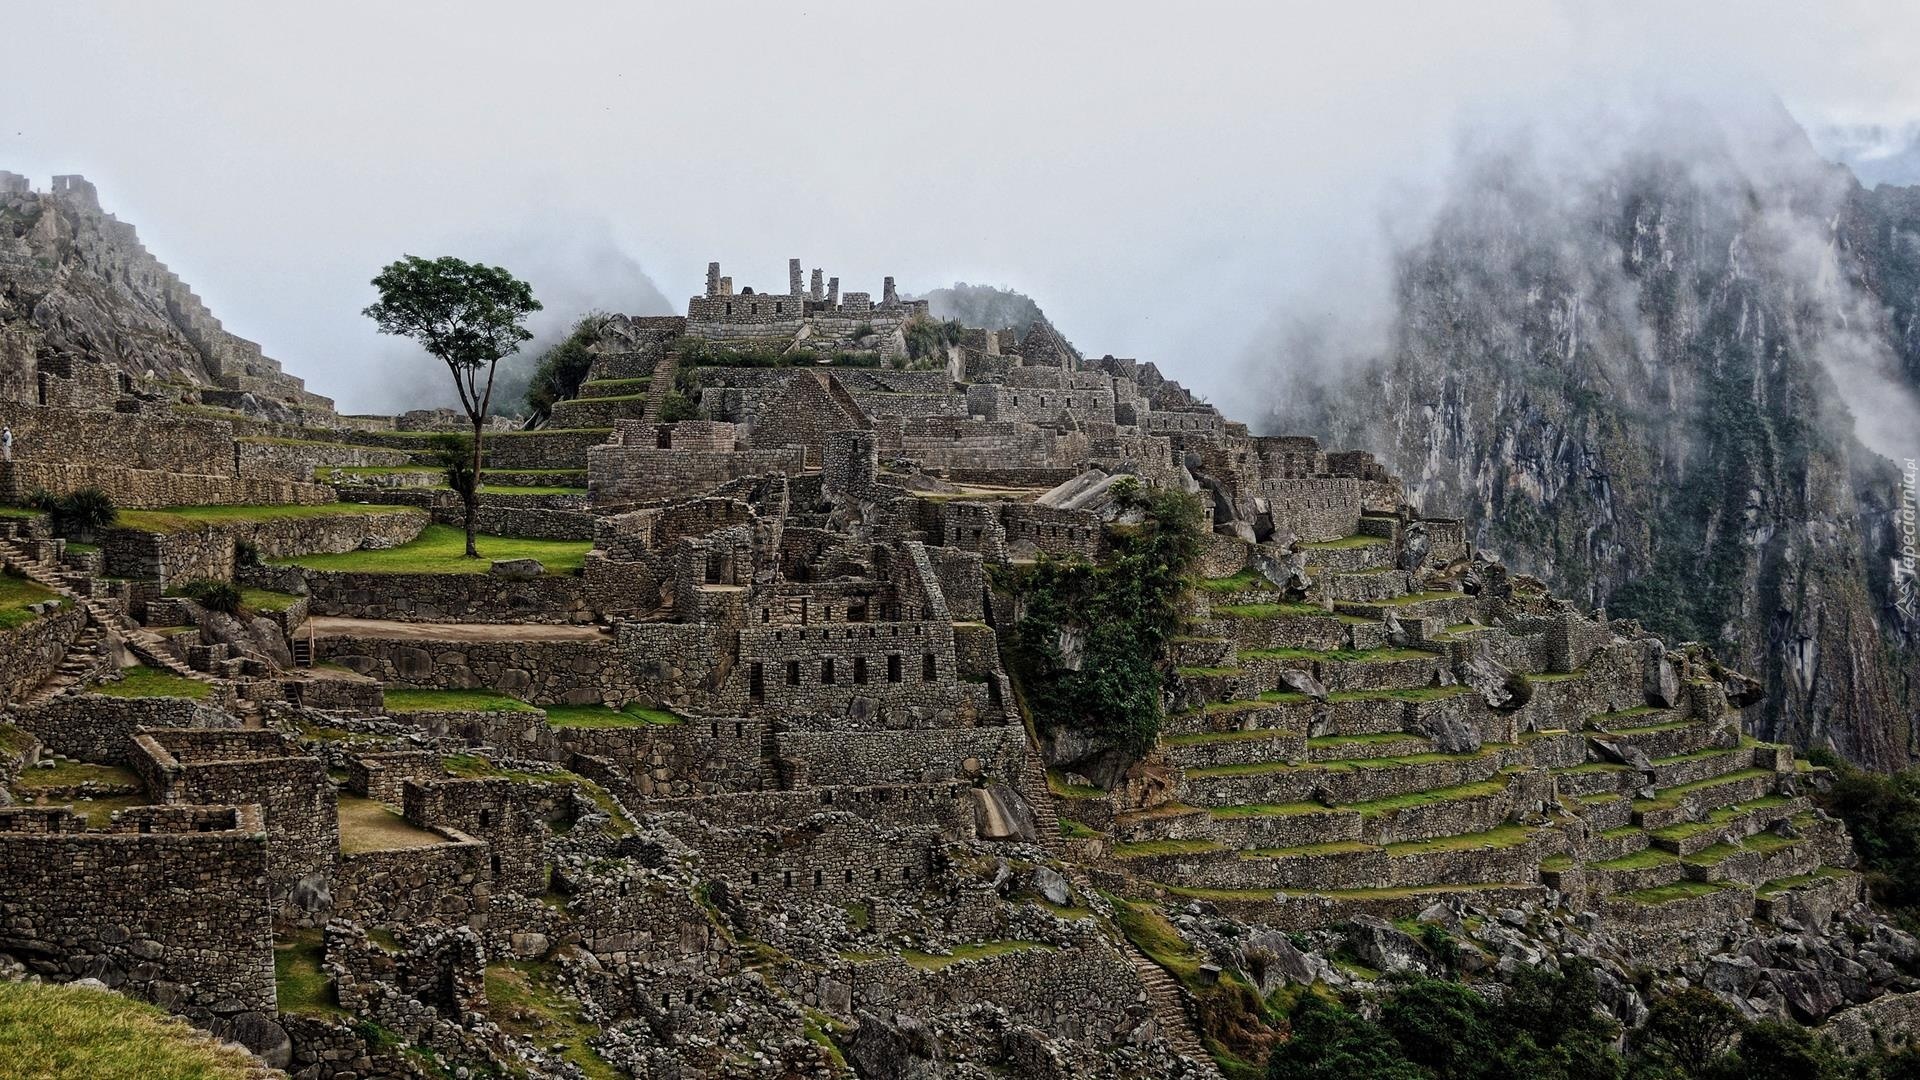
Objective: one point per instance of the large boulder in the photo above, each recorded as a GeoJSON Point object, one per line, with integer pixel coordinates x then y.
{"type": "Point", "coordinates": [517, 569]}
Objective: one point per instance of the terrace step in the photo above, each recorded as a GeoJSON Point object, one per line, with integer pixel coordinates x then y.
{"type": "Point", "coordinates": [1342, 782]}
{"type": "Point", "coordinates": [1215, 749]}
{"type": "Point", "coordinates": [1368, 586]}
{"type": "Point", "coordinates": [1690, 802]}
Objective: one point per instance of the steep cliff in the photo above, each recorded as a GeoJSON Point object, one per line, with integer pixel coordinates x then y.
{"type": "Point", "coordinates": [78, 289]}
{"type": "Point", "coordinates": [1659, 382]}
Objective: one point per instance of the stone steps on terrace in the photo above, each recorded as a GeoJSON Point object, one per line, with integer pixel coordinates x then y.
{"type": "Point", "coordinates": [659, 385]}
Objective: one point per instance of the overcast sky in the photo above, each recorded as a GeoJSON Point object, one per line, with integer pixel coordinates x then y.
{"type": "Point", "coordinates": [1159, 176]}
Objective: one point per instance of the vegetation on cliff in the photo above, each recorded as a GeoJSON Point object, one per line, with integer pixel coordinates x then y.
{"type": "Point", "coordinates": [1883, 814]}
{"type": "Point", "coordinates": [1090, 645]}
{"type": "Point", "coordinates": [563, 366]}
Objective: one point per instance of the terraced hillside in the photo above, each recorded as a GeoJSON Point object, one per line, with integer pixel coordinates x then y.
{"type": "Point", "coordinates": [1382, 742]}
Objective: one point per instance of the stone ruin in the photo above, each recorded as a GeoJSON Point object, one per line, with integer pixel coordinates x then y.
{"type": "Point", "coordinates": [750, 793]}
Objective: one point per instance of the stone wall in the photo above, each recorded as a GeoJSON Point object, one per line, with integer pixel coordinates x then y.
{"type": "Point", "coordinates": [1314, 509]}
{"type": "Point", "coordinates": [170, 905]}
{"type": "Point", "coordinates": [896, 667]}
{"type": "Point", "coordinates": [455, 598]}
{"type": "Point", "coordinates": [539, 672]}
{"type": "Point", "coordinates": [30, 652]}
{"type": "Point", "coordinates": [622, 473]}
{"type": "Point", "coordinates": [208, 551]}
{"type": "Point", "coordinates": [263, 768]}
{"type": "Point", "coordinates": [97, 727]}
{"type": "Point", "coordinates": [441, 884]}
{"type": "Point", "coordinates": [511, 816]}
{"type": "Point", "coordinates": [887, 757]}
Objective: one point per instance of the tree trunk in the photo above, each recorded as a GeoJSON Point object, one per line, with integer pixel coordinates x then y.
{"type": "Point", "coordinates": [470, 498]}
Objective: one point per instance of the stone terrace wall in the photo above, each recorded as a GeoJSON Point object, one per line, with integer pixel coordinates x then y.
{"type": "Point", "coordinates": [619, 473]}
{"type": "Point", "coordinates": [175, 915]}
{"type": "Point", "coordinates": [250, 767]}
{"type": "Point", "coordinates": [899, 667]}
{"type": "Point", "coordinates": [126, 441]}
{"type": "Point", "coordinates": [538, 672]}
{"type": "Point", "coordinates": [456, 598]}
{"type": "Point", "coordinates": [1084, 992]}
{"type": "Point", "coordinates": [29, 653]}
{"type": "Point", "coordinates": [96, 727]}
{"type": "Point", "coordinates": [510, 815]}
{"type": "Point", "coordinates": [887, 757]}
{"type": "Point", "coordinates": [207, 552]}
{"type": "Point", "coordinates": [134, 488]}
{"type": "Point", "coordinates": [445, 884]}
{"type": "Point", "coordinates": [946, 807]}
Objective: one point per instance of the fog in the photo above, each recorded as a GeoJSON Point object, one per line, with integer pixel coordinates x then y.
{"type": "Point", "coordinates": [1161, 179]}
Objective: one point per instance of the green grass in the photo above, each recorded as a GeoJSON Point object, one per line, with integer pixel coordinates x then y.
{"type": "Point", "coordinates": [1503, 836]}
{"type": "Point", "coordinates": [1209, 738]}
{"type": "Point", "coordinates": [16, 595]}
{"type": "Point", "coordinates": [1481, 790]}
{"type": "Point", "coordinates": [67, 1033]}
{"type": "Point", "coordinates": [601, 716]}
{"type": "Point", "coordinates": [301, 981]}
{"type": "Point", "coordinates": [453, 701]}
{"type": "Point", "coordinates": [1716, 819]}
{"type": "Point", "coordinates": [1346, 542]}
{"type": "Point", "coordinates": [1145, 848]}
{"type": "Point", "coordinates": [1247, 580]}
{"type": "Point", "coordinates": [1261, 768]}
{"type": "Point", "coordinates": [1074, 830]}
{"type": "Point", "coordinates": [1417, 598]}
{"type": "Point", "coordinates": [140, 682]}
{"type": "Point", "coordinates": [1679, 890]}
{"type": "Point", "coordinates": [176, 519]}
{"type": "Point", "coordinates": [475, 767]}
{"type": "Point", "coordinates": [1671, 797]}
{"type": "Point", "coordinates": [1268, 611]}
{"type": "Point", "coordinates": [1331, 847]}
{"type": "Point", "coordinates": [639, 382]}
{"type": "Point", "coordinates": [527, 999]}
{"type": "Point", "coordinates": [1059, 786]}
{"type": "Point", "coordinates": [1345, 656]}
{"type": "Point", "coordinates": [973, 950]}
{"type": "Point", "coordinates": [1779, 885]}
{"type": "Point", "coordinates": [68, 774]}
{"type": "Point", "coordinates": [1644, 859]}
{"type": "Point", "coordinates": [1558, 676]}
{"type": "Point", "coordinates": [440, 549]}
{"type": "Point", "coordinates": [1416, 693]}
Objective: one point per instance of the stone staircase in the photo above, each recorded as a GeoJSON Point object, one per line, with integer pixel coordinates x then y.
{"type": "Point", "coordinates": [659, 386]}
{"type": "Point", "coordinates": [36, 560]}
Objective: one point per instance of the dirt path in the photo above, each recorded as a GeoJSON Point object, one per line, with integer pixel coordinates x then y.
{"type": "Point", "coordinates": [331, 626]}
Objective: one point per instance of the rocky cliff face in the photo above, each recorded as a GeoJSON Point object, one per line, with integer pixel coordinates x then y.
{"type": "Point", "coordinates": [1673, 385]}
{"type": "Point", "coordinates": [77, 288]}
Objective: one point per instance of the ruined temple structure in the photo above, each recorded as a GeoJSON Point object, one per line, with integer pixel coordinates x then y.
{"type": "Point", "coordinates": [743, 788]}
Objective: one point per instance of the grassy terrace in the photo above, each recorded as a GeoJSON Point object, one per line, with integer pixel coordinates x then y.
{"type": "Point", "coordinates": [1673, 796]}
{"type": "Point", "coordinates": [1717, 819]}
{"type": "Point", "coordinates": [1644, 859]}
{"type": "Point", "coordinates": [1246, 580]}
{"type": "Point", "coordinates": [177, 519]}
{"type": "Point", "coordinates": [526, 999]}
{"type": "Point", "coordinates": [16, 595]}
{"type": "Point", "coordinates": [1270, 611]}
{"type": "Point", "coordinates": [138, 682]}
{"type": "Point", "coordinates": [1415, 598]}
{"type": "Point", "coordinates": [1503, 836]}
{"type": "Point", "coordinates": [1347, 765]}
{"type": "Point", "coordinates": [1210, 738]}
{"type": "Point", "coordinates": [602, 716]}
{"type": "Point", "coordinates": [1679, 890]}
{"type": "Point", "coordinates": [1344, 656]}
{"type": "Point", "coordinates": [1346, 542]}
{"type": "Point", "coordinates": [1774, 888]}
{"type": "Point", "coordinates": [973, 950]}
{"type": "Point", "coordinates": [1605, 719]}
{"type": "Point", "coordinates": [440, 549]}
{"type": "Point", "coordinates": [366, 825]}
{"type": "Point", "coordinates": [67, 1033]}
{"type": "Point", "coordinates": [475, 767]}
{"type": "Point", "coordinates": [452, 701]}
{"type": "Point", "coordinates": [1146, 848]}
{"type": "Point", "coordinates": [1310, 851]}
{"type": "Point", "coordinates": [580, 716]}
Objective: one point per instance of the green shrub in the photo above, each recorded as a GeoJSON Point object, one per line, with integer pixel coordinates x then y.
{"type": "Point", "coordinates": [563, 367]}
{"type": "Point", "coordinates": [78, 515]}
{"type": "Point", "coordinates": [928, 338]}
{"type": "Point", "coordinates": [1883, 814]}
{"type": "Point", "coordinates": [221, 596]}
{"type": "Point", "coordinates": [1127, 608]}
{"type": "Point", "coordinates": [453, 452]}
{"type": "Point", "coordinates": [676, 406]}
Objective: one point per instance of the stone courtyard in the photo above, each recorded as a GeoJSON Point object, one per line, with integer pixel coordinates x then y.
{"type": "Point", "coordinates": [714, 765]}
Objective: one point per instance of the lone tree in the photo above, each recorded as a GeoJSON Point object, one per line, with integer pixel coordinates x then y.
{"type": "Point", "coordinates": [469, 316]}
